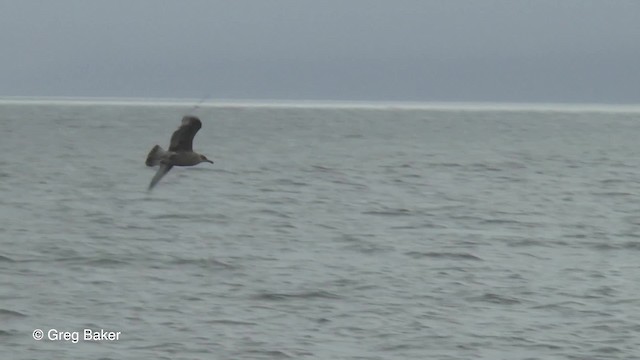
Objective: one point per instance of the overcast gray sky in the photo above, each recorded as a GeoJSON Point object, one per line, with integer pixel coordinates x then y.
{"type": "Point", "coordinates": [394, 50]}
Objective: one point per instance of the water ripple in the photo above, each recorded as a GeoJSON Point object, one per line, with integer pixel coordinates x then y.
{"type": "Point", "coordinates": [274, 296]}
{"type": "Point", "coordinates": [7, 314]}
{"type": "Point", "coordinates": [442, 255]}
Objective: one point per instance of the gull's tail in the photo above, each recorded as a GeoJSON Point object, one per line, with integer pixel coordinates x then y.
{"type": "Point", "coordinates": [154, 156]}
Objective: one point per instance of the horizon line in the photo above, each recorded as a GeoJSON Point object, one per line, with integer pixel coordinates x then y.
{"type": "Point", "coordinates": [321, 103]}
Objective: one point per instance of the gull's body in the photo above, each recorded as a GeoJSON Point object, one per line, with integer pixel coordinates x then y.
{"type": "Point", "coordinates": [180, 151]}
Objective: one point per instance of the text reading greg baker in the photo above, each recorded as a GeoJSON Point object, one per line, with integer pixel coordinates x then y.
{"type": "Point", "coordinates": [74, 336]}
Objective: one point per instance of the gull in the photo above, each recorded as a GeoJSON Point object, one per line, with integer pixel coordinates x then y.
{"type": "Point", "coordinates": [180, 151]}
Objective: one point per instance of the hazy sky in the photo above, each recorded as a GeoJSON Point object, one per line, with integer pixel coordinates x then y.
{"type": "Point", "coordinates": [423, 50]}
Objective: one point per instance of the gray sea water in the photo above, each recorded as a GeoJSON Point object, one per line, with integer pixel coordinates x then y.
{"type": "Point", "coordinates": [321, 233]}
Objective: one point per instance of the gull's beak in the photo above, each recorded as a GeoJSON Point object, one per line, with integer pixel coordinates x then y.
{"type": "Point", "coordinates": [209, 161]}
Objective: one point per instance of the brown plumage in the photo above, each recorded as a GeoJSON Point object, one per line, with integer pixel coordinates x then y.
{"type": "Point", "coordinates": [180, 151]}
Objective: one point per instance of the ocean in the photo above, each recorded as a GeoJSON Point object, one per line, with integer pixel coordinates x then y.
{"type": "Point", "coordinates": [345, 231]}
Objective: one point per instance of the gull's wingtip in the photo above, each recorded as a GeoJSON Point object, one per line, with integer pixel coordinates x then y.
{"type": "Point", "coordinates": [162, 171]}
{"type": "Point", "coordinates": [190, 120]}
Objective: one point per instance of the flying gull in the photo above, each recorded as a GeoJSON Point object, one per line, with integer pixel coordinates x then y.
{"type": "Point", "coordinates": [180, 150]}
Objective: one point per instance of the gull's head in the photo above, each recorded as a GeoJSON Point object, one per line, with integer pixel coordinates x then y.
{"type": "Point", "coordinates": [204, 159]}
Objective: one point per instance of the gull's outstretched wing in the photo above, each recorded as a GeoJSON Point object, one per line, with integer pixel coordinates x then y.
{"type": "Point", "coordinates": [162, 171]}
{"type": "Point", "coordinates": [182, 139]}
